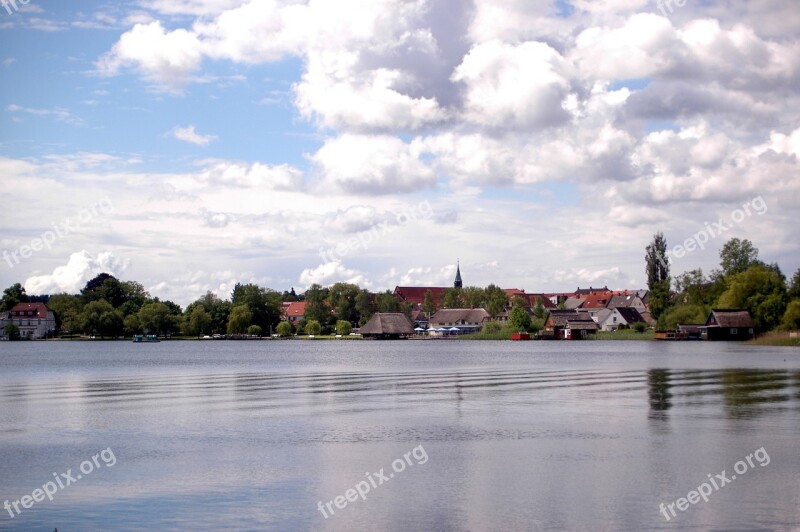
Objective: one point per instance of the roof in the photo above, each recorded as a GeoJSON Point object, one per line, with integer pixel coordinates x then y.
{"type": "Point", "coordinates": [295, 308]}
{"type": "Point", "coordinates": [40, 310]}
{"type": "Point", "coordinates": [629, 314]}
{"type": "Point", "coordinates": [586, 291]}
{"type": "Point", "coordinates": [454, 315]}
{"type": "Point", "coordinates": [581, 325]}
{"type": "Point", "coordinates": [734, 317]}
{"type": "Point", "coordinates": [416, 294]}
{"type": "Point", "coordinates": [622, 300]}
{"type": "Point", "coordinates": [561, 317]}
{"type": "Point", "coordinates": [387, 323]}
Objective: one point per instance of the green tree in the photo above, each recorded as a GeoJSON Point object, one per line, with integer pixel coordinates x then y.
{"type": "Point", "coordinates": [387, 302]}
{"type": "Point", "coordinates": [313, 327]}
{"type": "Point", "coordinates": [158, 318]}
{"type": "Point", "coordinates": [658, 280]}
{"type": "Point", "coordinates": [67, 309]}
{"type": "Point", "coordinates": [343, 298]}
{"type": "Point", "coordinates": [344, 327]}
{"type": "Point", "coordinates": [217, 309]}
{"type": "Point", "coordinates": [11, 331]}
{"type": "Point", "coordinates": [100, 318]}
{"type": "Point", "coordinates": [131, 325]}
{"type": "Point", "coordinates": [473, 296]}
{"type": "Point", "coordinates": [428, 305]}
{"type": "Point", "coordinates": [794, 288]}
{"type": "Point", "coordinates": [496, 299]}
{"type": "Point", "coordinates": [539, 310]}
{"type": "Point", "coordinates": [197, 321]}
{"type": "Point", "coordinates": [762, 291]}
{"type": "Point", "coordinates": [240, 319]}
{"type": "Point", "coordinates": [737, 255]}
{"type": "Point", "coordinates": [96, 289]}
{"type": "Point", "coordinates": [452, 298]}
{"type": "Point", "coordinates": [317, 307]}
{"type": "Point", "coordinates": [519, 319]}
{"type": "Point", "coordinates": [134, 295]}
{"type": "Point", "coordinates": [685, 314]}
{"type": "Point", "coordinates": [657, 261]}
{"type": "Point", "coordinates": [254, 330]}
{"type": "Point", "coordinates": [264, 304]}
{"type": "Point", "coordinates": [12, 296]}
{"type": "Point", "coordinates": [791, 318]}
{"type": "Point", "coordinates": [284, 329]}
{"type": "Point", "coordinates": [365, 306]}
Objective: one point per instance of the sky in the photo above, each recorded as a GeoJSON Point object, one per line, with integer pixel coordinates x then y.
{"type": "Point", "coordinates": [193, 144]}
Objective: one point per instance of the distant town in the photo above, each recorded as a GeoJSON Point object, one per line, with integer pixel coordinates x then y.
{"type": "Point", "coordinates": [743, 299]}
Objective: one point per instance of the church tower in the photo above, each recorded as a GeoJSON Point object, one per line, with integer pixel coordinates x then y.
{"type": "Point", "coordinates": [457, 283]}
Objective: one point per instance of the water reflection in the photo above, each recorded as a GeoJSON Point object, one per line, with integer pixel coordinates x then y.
{"type": "Point", "coordinates": [742, 393]}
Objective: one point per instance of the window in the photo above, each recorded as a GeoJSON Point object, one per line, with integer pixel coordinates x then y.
{"type": "Point", "coordinates": [734, 330]}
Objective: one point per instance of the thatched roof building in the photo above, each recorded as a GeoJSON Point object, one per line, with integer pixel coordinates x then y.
{"type": "Point", "coordinates": [388, 326]}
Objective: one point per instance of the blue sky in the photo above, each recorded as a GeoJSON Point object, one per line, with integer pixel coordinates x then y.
{"type": "Point", "coordinates": [236, 138]}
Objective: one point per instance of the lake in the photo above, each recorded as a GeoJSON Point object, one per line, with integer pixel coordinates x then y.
{"type": "Point", "coordinates": [405, 435]}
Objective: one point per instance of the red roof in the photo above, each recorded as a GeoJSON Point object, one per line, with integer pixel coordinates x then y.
{"type": "Point", "coordinates": [295, 308]}
{"type": "Point", "coordinates": [596, 300]}
{"type": "Point", "coordinates": [39, 310]}
{"type": "Point", "coordinates": [416, 294]}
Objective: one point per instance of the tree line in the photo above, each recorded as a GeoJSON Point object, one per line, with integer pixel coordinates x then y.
{"type": "Point", "coordinates": [742, 281]}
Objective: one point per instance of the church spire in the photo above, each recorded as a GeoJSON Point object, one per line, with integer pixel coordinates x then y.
{"type": "Point", "coordinates": [457, 283]}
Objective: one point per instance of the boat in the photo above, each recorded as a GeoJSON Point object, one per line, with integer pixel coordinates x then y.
{"type": "Point", "coordinates": [142, 339]}
{"type": "Point", "coordinates": [517, 336]}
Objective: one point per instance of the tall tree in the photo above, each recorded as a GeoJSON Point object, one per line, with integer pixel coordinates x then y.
{"type": "Point", "coordinates": [656, 260]}
{"type": "Point", "coordinates": [428, 304]}
{"type": "Point", "coordinates": [658, 280]}
{"type": "Point", "coordinates": [737, 256]}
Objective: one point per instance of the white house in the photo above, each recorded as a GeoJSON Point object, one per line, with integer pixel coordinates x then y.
{"type": "Point", "coordinates": [34, 320]}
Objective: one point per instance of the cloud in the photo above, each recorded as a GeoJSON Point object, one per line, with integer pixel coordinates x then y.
{"type": "Point", "coordinates": [188, 134]}
{"type": "Point", "coordinates": [73, 276]}
{"type": "Point", "coordinates": [332, 272]}
{"type": "Point", "coordinates": [165, 58]}
{"type": "Point", "coordinates": [378, 164]}
{"type": "Point", "coordinates": [59, 113]}
{"type": "Point", "coordinates": [519, 86]}
{"type": "Point", "coordinates": [255, 175]}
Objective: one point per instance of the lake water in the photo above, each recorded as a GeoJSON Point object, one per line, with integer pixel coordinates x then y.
{"type": "Point", "coordinates": [442, 435]}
